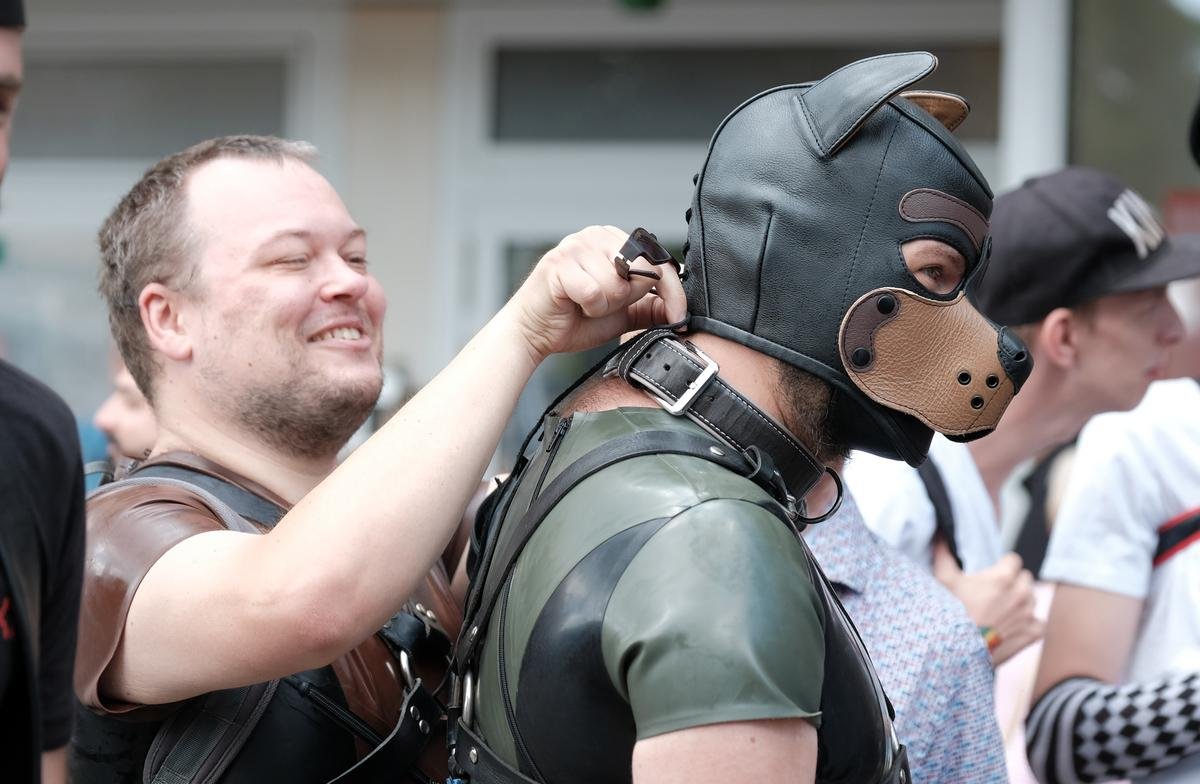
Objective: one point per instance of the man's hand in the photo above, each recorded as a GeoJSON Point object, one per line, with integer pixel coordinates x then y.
{"type": "Point", "coordinates": [574, 299]}
{"type": "Point", "coordinates": [1000, 597]}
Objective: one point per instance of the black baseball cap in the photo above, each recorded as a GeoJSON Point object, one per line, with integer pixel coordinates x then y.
{"type": "Point", "coordinates": [1071, 237]}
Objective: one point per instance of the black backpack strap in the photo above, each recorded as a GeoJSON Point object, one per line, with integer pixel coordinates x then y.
{"type": "Point", "coordinates": [943, 513]}
{"type": "Point", "coordinates": [198, 743]}
{"type": "Point", "coordinates": [1175, 535]}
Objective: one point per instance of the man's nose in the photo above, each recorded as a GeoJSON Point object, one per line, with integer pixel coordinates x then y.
{"type": "Point", "coordinates": [1014, 358]}
{"type": "Point", "coordinates": [343, 281]}
{"type": "Point", "coordinates": [1172, 329]}
{"type": "Point", "coordinates": [103, 418]}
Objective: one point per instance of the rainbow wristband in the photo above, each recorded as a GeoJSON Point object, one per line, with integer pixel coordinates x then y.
{"type": "Point", "coordinates": [990, 636]}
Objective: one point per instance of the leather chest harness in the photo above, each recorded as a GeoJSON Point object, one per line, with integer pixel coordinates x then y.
{"type": "Point", "coordinates": [209, 738]}
{"type": "Point", "coordinates": [857, 742]}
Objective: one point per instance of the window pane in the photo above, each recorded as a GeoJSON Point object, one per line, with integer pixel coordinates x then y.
{"type": "Point", "coordinates": [680, 94]}
{"type": "Point", "coordinates": [143, 108]}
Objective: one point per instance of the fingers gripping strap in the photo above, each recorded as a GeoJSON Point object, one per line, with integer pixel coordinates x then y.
{"type": "Point", "coordinates": [1083, 730]}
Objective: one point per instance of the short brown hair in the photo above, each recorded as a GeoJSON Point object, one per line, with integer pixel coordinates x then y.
{"type": "Point", "coordinates": [146, 239]}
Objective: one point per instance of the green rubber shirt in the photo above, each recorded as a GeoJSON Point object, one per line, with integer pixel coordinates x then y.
{"type": "Point", "coordinates": [660, 593]}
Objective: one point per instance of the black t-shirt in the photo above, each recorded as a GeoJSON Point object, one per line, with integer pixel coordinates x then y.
{"type": "Point", "coordinates": [41, 562]}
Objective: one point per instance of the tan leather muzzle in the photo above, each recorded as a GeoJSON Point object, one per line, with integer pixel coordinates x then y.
{"type": "Point", "coordinates": [941, 362]}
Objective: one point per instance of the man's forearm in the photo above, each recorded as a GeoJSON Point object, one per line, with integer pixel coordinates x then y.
{"type": "Point", "coordinates": [1084, 730]}
{"type": "Point", "coordinates": [395, 502]}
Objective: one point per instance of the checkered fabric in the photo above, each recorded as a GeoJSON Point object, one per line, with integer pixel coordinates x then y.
{"type": "Point", "coordinates": [1083, 730]}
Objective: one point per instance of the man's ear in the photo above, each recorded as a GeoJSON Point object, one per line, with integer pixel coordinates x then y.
{"type": "Point", "coordinates": [1058, 338]}
{"type": "Point", "coordinates": [162, 317]}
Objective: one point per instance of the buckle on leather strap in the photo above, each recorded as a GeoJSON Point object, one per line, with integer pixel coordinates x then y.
{"type": "Point", "coordinates": [697, 385]}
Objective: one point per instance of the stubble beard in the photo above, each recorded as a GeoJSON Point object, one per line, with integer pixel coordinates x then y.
{"type": "Point", "coordinates": [304, 415]}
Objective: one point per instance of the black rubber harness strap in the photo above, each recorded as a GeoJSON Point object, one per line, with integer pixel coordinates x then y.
{"type": "Point", "coordinates": [470, 755]}
{"type": "Point", "coordinates": [651, 442]}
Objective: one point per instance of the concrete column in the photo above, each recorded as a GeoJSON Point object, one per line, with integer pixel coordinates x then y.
{"type": "Point", "coordinates": [1035, 74]}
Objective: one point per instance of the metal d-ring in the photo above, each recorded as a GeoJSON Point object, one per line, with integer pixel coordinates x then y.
{"type": "Point", "coordinates": [468, 706]}
{"type": "Point", "coordinates": [406, 669]}
{"type": "Point", "coordinates": [836, 505]}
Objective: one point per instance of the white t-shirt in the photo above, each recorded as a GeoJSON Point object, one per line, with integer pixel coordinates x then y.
{"type": "Point", "coordinates": [1136, 474]}
{"type": "Point", "coordinates": [896, 506]}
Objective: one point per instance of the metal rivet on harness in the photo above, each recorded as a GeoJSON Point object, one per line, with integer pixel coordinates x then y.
{"type": "Point", "coordinates": [886, 304]}
{"type": "Point", "coordinates": [861, 357]}
{"type": "Point", "coordinates": [423, 726]}
{"type": "Point", "coordinates": [716, 451]}
{"type": "Point", "coordinates": [473, 754]}
{"type": "Point", "coordinates": [415, 712]}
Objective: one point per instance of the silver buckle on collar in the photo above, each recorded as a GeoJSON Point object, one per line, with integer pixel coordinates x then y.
{"type": "Point", "coordinates": [701, 381]}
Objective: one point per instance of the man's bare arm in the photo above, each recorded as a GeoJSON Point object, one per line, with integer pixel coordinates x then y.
{"type": "Point", "coordinates": [1086, 725]}
{"type": "Point", "coordinates": [1090, 633]}
{"type": "Point", "coordinates": [781, 751]}
{"type": "Point", "coordinates": [223, 609]}
{"type": "Point", "coordinates": [54, 766]}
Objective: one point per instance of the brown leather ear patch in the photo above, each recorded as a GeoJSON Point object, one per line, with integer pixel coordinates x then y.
{"type": "Point", "coordinates": [937, 361]}
{"type": "Point", "coordinates": [927, 204]}
{"type": "Point", "coordinates": [947, 108]}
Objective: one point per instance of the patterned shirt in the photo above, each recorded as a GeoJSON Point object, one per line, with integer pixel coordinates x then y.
{"type": "Point", "coordinates": [930, 657]}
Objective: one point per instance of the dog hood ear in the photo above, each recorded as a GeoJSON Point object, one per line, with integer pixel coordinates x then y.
{"type": "Point", "coordinates": [836, 107]}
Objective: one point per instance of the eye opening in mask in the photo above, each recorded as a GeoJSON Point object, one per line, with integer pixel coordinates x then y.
{"type": "Point", "coordinates": [937, 266]}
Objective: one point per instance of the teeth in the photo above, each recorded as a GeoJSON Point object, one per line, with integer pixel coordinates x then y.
{"type": "Point", "coordinates": [342, 333]}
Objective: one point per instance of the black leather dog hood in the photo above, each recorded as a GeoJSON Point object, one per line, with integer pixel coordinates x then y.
{"type": "Point", "coordinates": [800, 210]}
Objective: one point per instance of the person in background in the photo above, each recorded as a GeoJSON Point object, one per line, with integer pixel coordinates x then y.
{"type": "Point", "coordinates": [1118, 688]}
{"type": "Point", "coordinates": [126, 418]}
{"type": "Point", "coordinates": [41, 530]}
{"type": "Point", "coordinates": [1079, 271]}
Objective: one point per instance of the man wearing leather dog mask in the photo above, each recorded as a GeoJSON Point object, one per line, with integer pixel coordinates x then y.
{"type": "Point", "coordinates": [643, 607]}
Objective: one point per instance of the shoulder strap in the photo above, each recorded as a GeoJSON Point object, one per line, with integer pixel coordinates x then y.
{"type": "Point", "coordinates": [470, 754]}
{"type": "Point", "coordinates": [1175, 535]}
{"type": "Point", "coordinates": [943, 513]}
{"type": "Point", "coordinates": [496, 570]}
{"type": "Point", "coordinates": [240, 500]}
{"type": "Point", "coordinates": [199, 742]}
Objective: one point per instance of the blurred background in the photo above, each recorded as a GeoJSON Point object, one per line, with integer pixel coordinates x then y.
{"type": "Point", "coordinates": [468, 136]}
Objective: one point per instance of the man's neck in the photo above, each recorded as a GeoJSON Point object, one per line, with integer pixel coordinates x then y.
{"type": "Point", "coordinates": [289, 476]}
{"type": "Point", "coordinates": [1044, 415]}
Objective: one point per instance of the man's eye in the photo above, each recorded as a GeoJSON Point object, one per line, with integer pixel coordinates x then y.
{"type": "Point", "coordinates": [291, 261]}
{"type": "Point", "coordinates": [935, 273]}
{"type": "Point", "coordinates": [358, 261]}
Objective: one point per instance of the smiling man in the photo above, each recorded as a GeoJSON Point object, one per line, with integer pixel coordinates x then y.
{"type": "Point", "coordinates": [241, 595]}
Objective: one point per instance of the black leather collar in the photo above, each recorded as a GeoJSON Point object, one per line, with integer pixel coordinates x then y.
{"type": "Point", "coordinates": [686, 383]}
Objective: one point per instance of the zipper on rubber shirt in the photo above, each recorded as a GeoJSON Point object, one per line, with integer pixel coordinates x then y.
{"type": "Point", "coordinates": [510, 713]}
